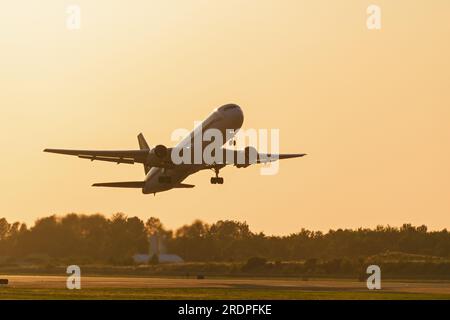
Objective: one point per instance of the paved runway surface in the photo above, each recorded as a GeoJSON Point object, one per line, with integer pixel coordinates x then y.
{"type": "Point", "coordinates": [27, 281]}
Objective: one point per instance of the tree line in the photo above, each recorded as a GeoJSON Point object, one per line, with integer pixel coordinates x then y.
{"type": "Point", "coordinates": [116, 239]}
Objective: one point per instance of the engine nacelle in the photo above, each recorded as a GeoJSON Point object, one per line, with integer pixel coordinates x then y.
{"type": "Point", "coordinates": [247, 157]}
{"type": "Point", "coordinates": [160, 151]}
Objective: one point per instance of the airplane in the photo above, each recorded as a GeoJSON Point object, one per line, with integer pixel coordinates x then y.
{"type": "Point", "coordinates": [163, 174]}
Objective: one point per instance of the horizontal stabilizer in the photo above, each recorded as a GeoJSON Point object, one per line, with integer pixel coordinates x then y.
{"type": "Point", "coordinates": [183, 185]}
{"type": "Point", "coordinates": [127, 184]}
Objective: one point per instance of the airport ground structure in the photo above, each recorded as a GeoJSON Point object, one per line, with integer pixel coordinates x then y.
{"type": "Point", "coordinates": [107, 246]}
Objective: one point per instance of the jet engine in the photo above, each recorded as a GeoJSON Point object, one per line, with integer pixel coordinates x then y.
{"type": "Point", "coordinates": [160, 151]}
{"type": "Point", "coordinates": [249, 155]}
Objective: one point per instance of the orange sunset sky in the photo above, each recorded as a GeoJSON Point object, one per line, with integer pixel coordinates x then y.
{"type": "Point", "coordinates": [370, 108]}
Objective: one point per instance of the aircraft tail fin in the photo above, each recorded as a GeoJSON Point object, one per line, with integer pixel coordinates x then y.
{"type": "Point", "coordinates": [143, 145]}
{"type": "Point", "coordinates": [126, 184]}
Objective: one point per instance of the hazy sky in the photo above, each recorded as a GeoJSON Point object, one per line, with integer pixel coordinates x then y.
{"type": "Point", "coordinates": [371, 108]}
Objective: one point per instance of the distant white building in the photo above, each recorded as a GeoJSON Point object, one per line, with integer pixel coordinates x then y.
{"type": "Point", "coordinates": [156, 247]}
{"type": "Point", "coordinates": [141, 258]}
{"type": "Point", "coordinates": [169, 258]}
{"type": "Point", "coordinates": [162, 258]}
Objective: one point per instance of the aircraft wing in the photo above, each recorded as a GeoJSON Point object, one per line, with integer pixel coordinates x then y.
{"type": "Point", "coordinates": [266, 158]}
{"type": "Point", "coordinates": [250, 156]}
{"type": "Point", "coordinates": [117, 156]}
{"type": "Point", "coordinates": [126, 184]}
{"type": "Point", "coordinates": [142, 156]}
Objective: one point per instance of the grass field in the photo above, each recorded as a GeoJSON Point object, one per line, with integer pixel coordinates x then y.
{"type": "Point", "coordinates": [204, 294]}
{"type": "Point", "coordinates": [119, 287]}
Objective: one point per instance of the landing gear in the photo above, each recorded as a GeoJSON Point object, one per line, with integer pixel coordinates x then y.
{"type": "Point", "coordinates": [216, 179]}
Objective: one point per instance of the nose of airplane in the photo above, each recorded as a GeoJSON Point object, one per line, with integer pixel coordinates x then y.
{"type": "Point", "coordinates": [239, 116]}
{"type": "Point", "coordinates": [233, 113]}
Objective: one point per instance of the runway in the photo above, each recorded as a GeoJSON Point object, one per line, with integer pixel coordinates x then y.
{"type": "Point", "coordinates": [48, 282]}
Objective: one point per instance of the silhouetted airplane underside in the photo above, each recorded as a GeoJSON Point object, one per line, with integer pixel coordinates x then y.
{"type": "Point", "coordinates": [162, 173]}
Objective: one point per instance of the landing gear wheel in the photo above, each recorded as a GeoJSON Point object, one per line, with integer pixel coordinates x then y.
{"type": "Point", "coordinates": [216, 179]}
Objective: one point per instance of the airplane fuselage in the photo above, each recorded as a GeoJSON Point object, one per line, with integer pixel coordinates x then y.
{"type": "Point", "coordinates": [227, 119]}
